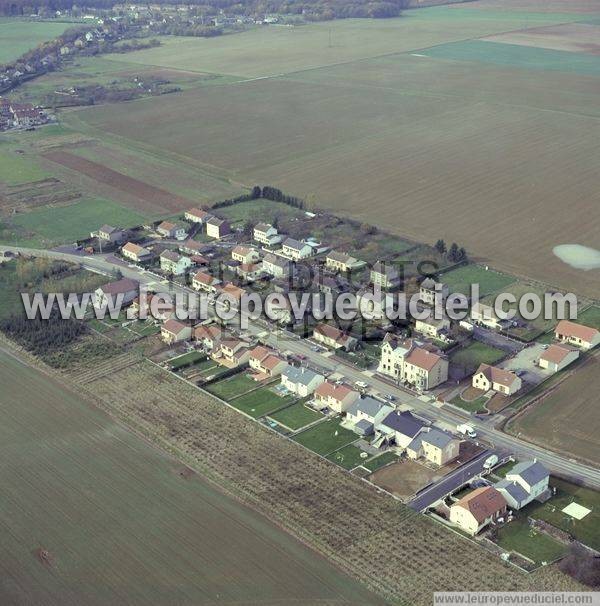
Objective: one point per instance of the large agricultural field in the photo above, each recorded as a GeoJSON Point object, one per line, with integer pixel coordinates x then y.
{"type": "Point", "coordinates": [567, 419]}
{"type": "Point", "coordinates": [17, 37]}
{"type": "Point", "coordinates": [393, 114]}
{"type": "Point", "coordinates": [103, 517]}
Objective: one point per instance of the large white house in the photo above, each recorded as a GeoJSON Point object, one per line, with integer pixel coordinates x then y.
{"type": "Point", "coordinates": [295, 250]}
{"type": "Point", "coordinates": [301, 381]}
{"type": "Point", "coordinates": [525, 482]}
{"type": "Point", "coordinates": [579, 335]}
{"type": "Point", "coordinates": [174, 263]}
{"type": "Point", "coordinates": [411, 362]}
{"type": "Point", "coordinates": [266, 234]}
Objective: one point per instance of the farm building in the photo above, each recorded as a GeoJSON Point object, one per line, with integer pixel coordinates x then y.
{"type": "Point", "coordinates": [557, 357]}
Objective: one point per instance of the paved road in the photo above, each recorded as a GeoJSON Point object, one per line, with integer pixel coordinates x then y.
{"type": "Point", "coordinates": [556, 463]}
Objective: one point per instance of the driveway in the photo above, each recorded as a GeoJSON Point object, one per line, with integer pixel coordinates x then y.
{"type": "Point", "coordinates": [526, 361]}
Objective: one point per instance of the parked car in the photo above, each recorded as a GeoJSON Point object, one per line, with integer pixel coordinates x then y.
{"type": "Point", "coordinates": [490, 462]}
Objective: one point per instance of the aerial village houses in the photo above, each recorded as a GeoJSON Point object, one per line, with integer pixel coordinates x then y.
{"type": "Point", "coordinates": [477, 509]}
{"type": "Point", "coordinates": [431, 291]}
{"type": "Point", "coordinates": [174, 331]}
{"type": "Point", "coordinates": [408, 361]}
{"type": "Point", "coordinates": [167, 229]}
{"type": "Point", "coordinates": [250, 272]}
{"type": "Point", "coordinates": [558, 357]}
{"type": "Point", "coordinates": [400, 426]}
{"type": "Point", "coordinates": [301, 381]}
{"type": "Point", "coordinates": [154, 306]}
{"type": "Point", "coordinates": [336, 396]}
{"type": "Point", "coordinates": [334, 337]}
{"type": "Point", "coordinates": [197, 215]}
{"type": "Point", "coordinates": [486, 316]}
{"type": "Point", "coordinates": [275, 266]}
{"type": "Point", "coordinates": [384, 275]}
{"type": "Point", "coordinates": [122, 291]}
{"type": "Point", "coordinates": [174, 263]}
{"type": "Point", "coordinates": [295, 250]}
{"type": "Point", "coordinates": [365, 413]}
{"type": "Point", "coordinates": [232, 352]}
{"type": "Point", "coordinates": [245, 254]}
{"type": "Point", "coordinates": [497, 379]}
{"type": "Point", "coordinates": [579, 335]}
{"type": "Point", "coordinates": [232, 294]}
{"type": "Point", "coordinates": [438, 447]}
{"type": "Point", "coordinates": [266, 362]}
{"type": "Point", "coordinates": [525, 482]}
{"type": "Point", "coordinates": [136, 253]}
{"type": "Point", "coordinates": [217, 228]}
{"type": "Point", "coordinates": [339, 261]}
{"type": "Point", "coordinates": [266, 234]}
{"type": "Point", "coordinates": [434, 329]}
{"type": "Point", "coordinates": [208, 335]}
{"type": "Point", "coordinates": [111, 234]}
{"type": "Point", "coordinates": [205, 282]}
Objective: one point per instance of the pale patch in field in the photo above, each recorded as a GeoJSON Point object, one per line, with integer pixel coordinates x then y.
{"type": "Point", "coordinates": [578, 256]}
{"type": "Point", "coordinates": [576, 511]}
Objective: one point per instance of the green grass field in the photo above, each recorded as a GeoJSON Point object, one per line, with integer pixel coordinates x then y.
{"type": "Point", "coordinates": [296, 416]}
{"type": "Point", "coordinates": [186, 359]}
{"type": "Point", "coordinates": [472, 406]}
{"type": "Point", "coordinates": [17, 37]}
{"type": "Point", "coordinates": [326, 437]}
{"type": "Point", "coordinates": [590, 317]}
{"type": "Point", "coordinates": [533, 544]}
{"type": "Point", "coordinates": [233, 386]}
{"type": "Point", "coordinates": [348, 457]}
{"type": "Point", "coordinates": [489, 281]}
{"type": "Point", "coordinates": [380, 461]}
{"type": "Point", "coordinates": [17, 168]}
{"type": "Point", "coordinates": [47, 227]}
{"type": "Point", "coordinates": [474, 354]}
{"type": "Point", "coordinates": [260, 402]}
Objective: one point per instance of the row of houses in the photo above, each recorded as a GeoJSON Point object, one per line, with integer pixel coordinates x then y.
{"type": "Point", "coordinates": [21, 115]}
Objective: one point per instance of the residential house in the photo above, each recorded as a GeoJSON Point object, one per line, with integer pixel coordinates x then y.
{"type": "Point", "coordinates": [232, 352]}
{"type": "Point", "coordinates": [167, 229]}
{"type": "Point", "coordinates": [174, 263]}
{"type": "Point", "coordinates": [266, 362]}
{"type": "Point", "coordinates": [557, 357]}
{"type": "Point", "coordinates": [336, 396]}
{"type": "Point", "coordinates": [486, 316]}
{"type": "Point", "coordinates": [525, 482]}
{"type": "Point", "coordinates": [193, 247]}
{"type": "Point", "coordinates": [431, 291]}
{"type": "Point", "coordinates": [266, 234]}
{"type": "Point", "coordinates": [411, 362]}
{"type": "Point", "coordinates": [197, 215]}
{"type": "Point", "coordinates": [401, 427]}
{"type": "Point", "coordinates": [279, 309]}
{"type": "Point", "coordinates": [209, 335]}
{"type": "Point", "coordinates": [477, 509]}
{"type": "Point", "coordinates": [384, 275]}
{"type": "Point", "coordinates": [245, 254]}
{"type": "Point", "coordinates": [250, 272]}
{"type": "Point", "coordinates": [136, 253]}
{"type": "Point", "coordinates": [436, 446]}
{"type": "Point", "coordinates": [491, 377]}
{"type": "Point", "coordinates": [579, 335]}
{"type": "Point", "coordinates": [375, 304]}
{"type": "Point", "coordinates": [295, 250]}
{"type": "Point", "coordinates": [434, 329]}
{"type": "Point", "coordinates": [154, 307]}
{"type": "Point", "coordinates": [174, 331]}
{"type": "Point", "coordinates": [334, 337]}
{"type": "Point", "coordinates": [113, 235]}
{"type": "Point", "coordinates": [365, 414]}
{"type": "Point", "coordinates": [205, 282]}
{"type": "Point", "coordinates": [217, 228]}
{"type": "Point", "coordinates": [276, 266]}
{"type": "Point", "coordinates": [233, 293]}
{"type": "Point", "coordinates": [301, 381]}
{"type": "Point", "coordinates": [339, 261]}
{"type": "Point", "coordinates": [122, 292]}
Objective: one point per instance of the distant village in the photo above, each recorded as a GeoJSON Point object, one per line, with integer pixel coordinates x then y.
{"type": "Point", "coordinates": [21, 115]}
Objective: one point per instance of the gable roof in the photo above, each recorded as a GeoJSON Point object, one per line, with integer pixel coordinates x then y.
{"type": "Point", "coordinates": [497, 375]}
{"type": "Point", "coordinates": [404, 423]}
{"type": "Point", "coordinates": [437, 437]}
{"type": "Point", "coordinates": [482, 503]}
{"type": "Point", "coordinates": [515, 490]}
{"type": "Point", "coordinates": [263, 227]}
{"type": "Point", "coordinates": [205, 278]}
{"type": "Point", "coordinates": [423, 358]}
{"type": "Point", "coordinates": [124, 285]}
{"type": "Point", "coordinates": [174, 326]}
{"type": "Point", "coordinates": [260, 352]}
{"type": "Point", "coordinates": [331, 332]}
{"type": "Point", "coordinates": [108, 229]}
{"type": "Point", "coordinates": [171, 255]}
{"type": "Point", "coordinates": [579, 331]}
{"type": "Point", "coordinates": [198, 212]}
{"type": "Point", "coordinates": [217, 222]}
{"type": "Point", "coordinates": [368, 406]}
{"type": "Point", "coordinates": [135, 249]}
{"type": "Point", "coordinates": [166, 225]}
{"type": "Point", "coordinates": [341, 257]}
{"type": "Point", "coordinates": [385, 269]}
{"type": "Point", "coordinates": [557, 353]}
{"type": "Point", "coordinates": [301, 375]}
{"type": "Point", "coordinates": [337, 391]}
{"type": "Point", "coordinates": [294, 244]}
{"type": "Point", "coordinates": [208, 331]}
{"type": "Point", "coordinates": [532, 472]}
{"type": "Point", "coordinates": [272, 259]}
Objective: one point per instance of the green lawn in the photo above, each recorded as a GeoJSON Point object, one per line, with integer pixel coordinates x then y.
{"type": "Point", "coordinates": [17, 168]}
{"type": "Point", "coordinates": [49, 227]}
{"type": "Point", "coordinates": [326, 437]}
{"type": "Point", "coordinates": [296, 416]}
{"type": "Point", "coordinates": [17, 37]}
{"type": "Point", "coordinates": [586, 530]}
{"type": "Point", "coordinates": [348, 457]}
{"type": "Point", "coordinates": [504, 469]}
{"type": "Point", "coordinates": [473, 406]}
{"type": "Point", "coordinates": [255, 210]}
{"type": "Point", "coordinates": [490, 281]}
{"type": "Point", "coordinates": [260, 402]}
{"type": "Point", "coordinates": [186, 359]}
{"type": "Point", "coordinates": [231, 387]}
{"type": "Point", "coordinates": [474, 354]}
{"type": "Point", "coordinates": [539, 547]}
{"type": "Point", "coordinates": [381, 460]}
{"type": "Point", "coordinates": [590, 317]}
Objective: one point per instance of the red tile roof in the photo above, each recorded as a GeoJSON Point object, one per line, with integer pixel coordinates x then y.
{"type": "Point", "coordinates": [557, 353]}
{"type": "Point", "coordinates": [483, 503]}
{"type": "Point", "coordinates": [423, 358]}
{"type": "Point", "coordinates": [332, 390]}
{"type": "Point", "coordinates": [567, 328]}
{"type": "Point", "coordinates": [497, 375]}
